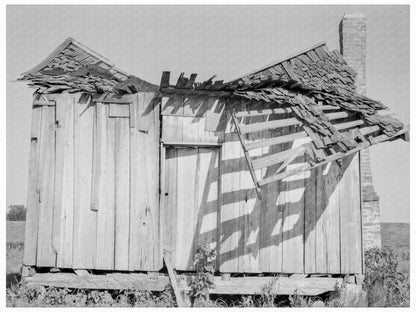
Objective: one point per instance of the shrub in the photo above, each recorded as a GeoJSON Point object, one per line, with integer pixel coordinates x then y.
{"type": "Point", "coordinates": [16, 213]}
{"type": "Point", "coordinates": [204, 262]}
{"type": "Point", "coordinates": [386, 287]}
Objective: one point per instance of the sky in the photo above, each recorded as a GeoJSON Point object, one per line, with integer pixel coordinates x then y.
{"type": "Point", "coordinates": [228, 41]}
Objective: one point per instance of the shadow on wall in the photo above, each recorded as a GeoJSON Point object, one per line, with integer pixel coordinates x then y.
{"type": "Point", "coordinates": [280, 233]}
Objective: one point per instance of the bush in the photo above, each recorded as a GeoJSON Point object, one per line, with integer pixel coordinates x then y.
{"type": "Point", "coordinates": [386, 287]}
{"type": "Point", "coordinates": [16, 213]}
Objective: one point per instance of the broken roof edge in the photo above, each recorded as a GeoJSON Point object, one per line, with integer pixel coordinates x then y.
{"type": "Point", "coordinates": [281, 60]}
{"type": "Point", "coordinates": [62, 47]}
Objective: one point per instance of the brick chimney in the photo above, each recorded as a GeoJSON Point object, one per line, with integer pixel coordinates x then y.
{"type": "Point", "coordinates": [352, 32]}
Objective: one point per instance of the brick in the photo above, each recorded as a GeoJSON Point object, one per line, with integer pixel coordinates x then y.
{"type": "Point", "coordinates": [352, 31]}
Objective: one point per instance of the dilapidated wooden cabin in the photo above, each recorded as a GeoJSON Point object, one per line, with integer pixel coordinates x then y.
{"type": "Point", "coordinates": [264, 169]}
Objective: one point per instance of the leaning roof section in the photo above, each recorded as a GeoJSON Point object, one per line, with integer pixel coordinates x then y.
{"type": "Point", "coordinates": [73, 67]}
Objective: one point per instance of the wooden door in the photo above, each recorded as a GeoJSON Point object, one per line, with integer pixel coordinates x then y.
{"type": "Point", "coordinates": [190, 202]}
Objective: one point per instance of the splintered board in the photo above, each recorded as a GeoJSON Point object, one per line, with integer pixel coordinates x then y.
{"type": "Point", "coordinates": [190, 201]}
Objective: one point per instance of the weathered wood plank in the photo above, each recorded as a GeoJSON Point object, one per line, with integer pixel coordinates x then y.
{"type": "Point", "coordinates": [260, 126]}
{"type": "Point", "coordinates": [145, 111]}
{"type": "Point", "coordinates": [216, 116]}
{"type": "Point", "coordinates": [276, 158]}
{"type": "Point", "coordinates": [327, 227]}
{"type": "Point", "coordinates": [271, 221]}
{"type": "Point", "coordinates": [59, 165]}
{"type": "Point", "coordinates": [293, 222]}
{"type": "Point", "coordinates": [32, 214]}
{"type": "Point", "coordinates": [45, 253]}
{"type": "Point", "coordinates": [105, 281]}
{"type": "Point", "coordinates": [119, 110]}
{"type": "Point", "coordinates": [187, 175]}
{"type": "Point", "coordinates": [230, 234]}
{"type": "Point", "coordinates": [122, 193]}
{"type": "Point", "coordinates": [349, 124]}
{"type": "Point", "coordinates": [310, 202]}
{"type": "Point", "coordinates": [245, 286]}
{"type": "Point", "coordinates": [84, 218]}
{"type": "Point", "coordinates": [281, 286]}
{"type": "Point", "coordinates": [276, 140]}
{"type": "Point", "coordinates": [350, 219]}
{"type": "Point", "coordinates": [188, 129]}
{"type": "Point", "coordinates": [172, 278]}
{"type": "Point", "coordinates": [144, 214]}
{"type": "Point", "coordinates": [172, 105]}
{"type": "Point", "coordinates": [206, 198]}
{"type": "Point", "coordinates": [195, 106]}
{"type": "Point", "coordinates": [250, 214]}
{"type": "Point", "coordinates": [65, 148]}
{"type": "Point", "coordinates": [106, 198]}
{"type": "Point", "coordinates": [169, 209]}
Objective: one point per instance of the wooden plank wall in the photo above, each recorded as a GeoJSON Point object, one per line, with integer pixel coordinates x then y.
{"type": "Point", "coordinates": [308, 223]}
{"type": "Point", "coordinates": [190, 204]}
{"type": "Point", "coordinates": [93, 197]}
{"type": "Point", "coordinates": [94, 184]}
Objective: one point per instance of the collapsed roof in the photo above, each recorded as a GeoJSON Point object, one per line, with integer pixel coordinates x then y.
{"type": "Point", "coordinates": [316, 89]}
{"type": "Point", "coordinates": [72, 67]}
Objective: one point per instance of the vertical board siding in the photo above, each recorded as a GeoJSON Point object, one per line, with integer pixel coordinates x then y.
{"type": "Point", "coordinates": [106, 195]}
{"type": "Point", "coordinates": [93, 195]}
{"type": "Point", "coordinates": [122, 193]}
{"type": "Point", "coordinates": [293, 217]}
{"type": "Point", "coordinates": [311, 199]}
{"type": "Point", "coordinates": [206, 205]}
{"type": "Point", "coordinates": [169, 209]}
{"type": "Point", "coordinates": [187, 166]}
{"type": "Point", "coordinates": [32, 214]}
{"type": "Point", "coordinates": [189, 130]}
{"type": "Point", "coordinates": [328, 219]}
{"type": "Point", "coordinates": [191, 176]}
{"type": "Point", "coordinates": [85, 219]}
{"type": "Point", "coordinates": [64, 198]}
{"type": "Point", "coordinates": [230, 231]}
{"type": "Point", "coordinates": [45, 253]}
{"type": "Point", "coordinates": [350, 216]}
{"type": "Point", "coordinates": [145, 247]}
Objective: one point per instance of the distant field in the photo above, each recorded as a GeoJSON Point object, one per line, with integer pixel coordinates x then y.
{"type": "Point", "coordinates": [15, 231]}
{"type": "Point", "coordinates": [397, 237]}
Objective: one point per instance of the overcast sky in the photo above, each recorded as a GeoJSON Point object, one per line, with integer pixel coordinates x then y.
{"type": "Point", "coordinates": [225, 40]}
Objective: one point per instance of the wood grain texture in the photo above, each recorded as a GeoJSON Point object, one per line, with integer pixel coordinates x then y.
{"type": "Point", "coordinates": [310, 201]}
{"type": "Point", "coordinates": [32, 214]}
{"type": "Point", "coordinates": [230, 232]}
{"type": "Point", "coordinates": [144, 183]}
{"type": "Point", "coordinates": [59, 165]}
{"type": "Point", "coordinates": [350, 219]}
{"type": "Point", "coordinates": [187, 175]}
{"type": "Point", "coordinates": [172, 105]}
{"type": "Point", "coordinates": [45, 253]}
{"type": "Point", "coordinates": [122, 193]}
{"type": "Point", "coordinates": [106, 196]}
{"type": "Point", "coordinates": [145, 111]}
{"type": "Point", "coordinates": [188, 129]}
{"type": "Point", "coordinates": [84, 218]}
{"type": "Point", "coordinates": [169, 209]}
{"type": "Point", "coordinates": [119, 110]}
{"type": "Point", "coordinates": [65, 197]}
{"type": "Point", "coordinates": [293, 222]}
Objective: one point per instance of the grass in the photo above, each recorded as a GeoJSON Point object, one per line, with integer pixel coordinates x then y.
{"type": "Point", "coordinates": [394, 236]}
